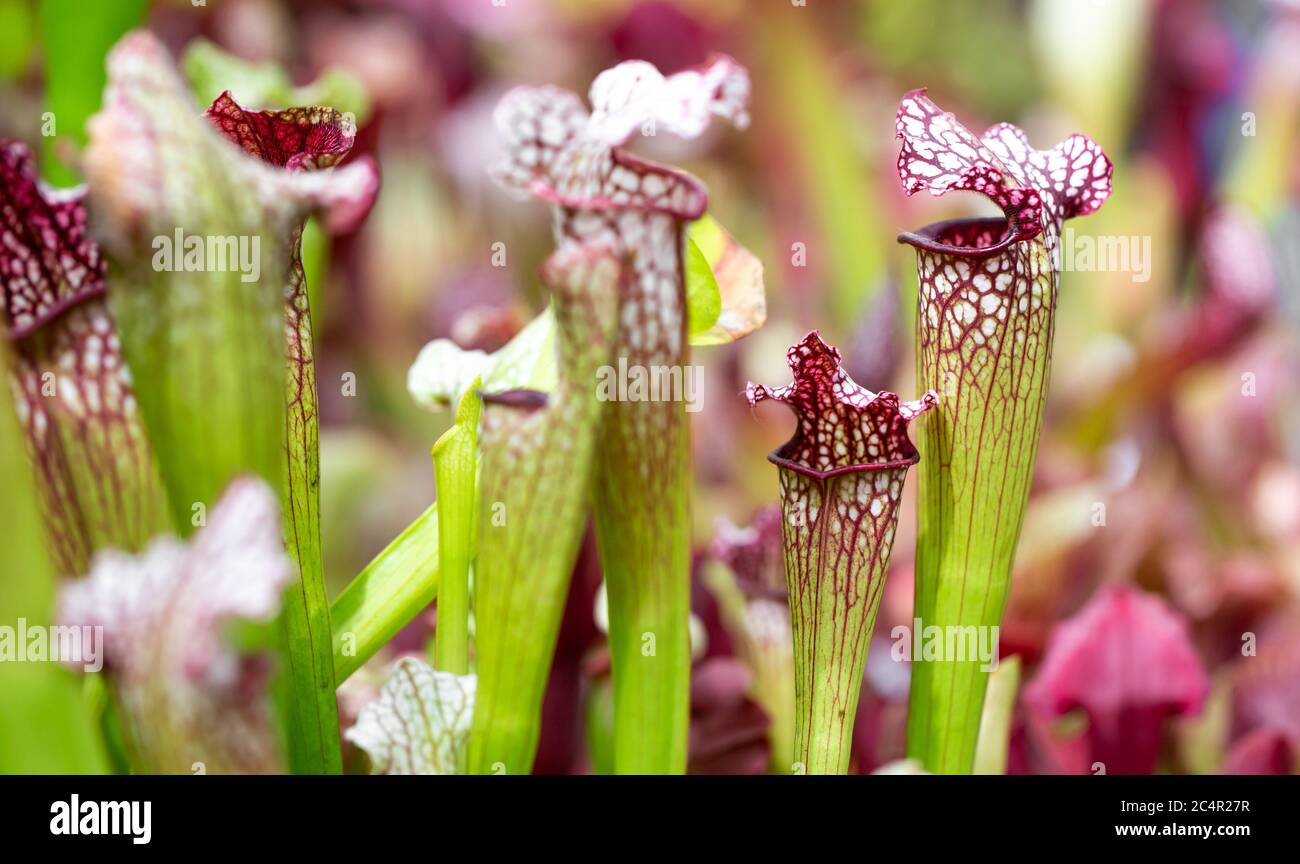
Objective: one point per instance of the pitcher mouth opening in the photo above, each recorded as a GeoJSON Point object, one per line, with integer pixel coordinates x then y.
{"type": "Point", "coordinates": [978, 237]}
{"type": "Point", "coordinates": [527, 400]}
{"type": "Point", "coordinates": [687, 203]}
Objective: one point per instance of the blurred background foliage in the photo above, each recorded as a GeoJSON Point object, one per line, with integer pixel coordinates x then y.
{"type": "Point", "coordinates": [1173, 400]}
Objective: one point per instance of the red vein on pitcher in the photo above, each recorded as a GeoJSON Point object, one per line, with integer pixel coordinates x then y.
{"type": "Point", "coordinates": [985, 321]}
{"type": "Point", "coordinates": [96, 476]}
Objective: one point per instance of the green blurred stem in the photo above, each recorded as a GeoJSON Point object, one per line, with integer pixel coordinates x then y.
{"type": "Point", "coordinates": [641, 501]}
{"type": "Point", "coordinates": [995, 726]}
{"type": "Point", "coordinates": [817, 144]}
{"type": "Point", "coordinates": [455, 461]}
{"type": "Point", "coordinates": [769, 656]}
{"type": "Point", "coordinates": [642, 509]}
{"type": "Point", "coordinates": [316, 266]}
{"type": "Point", "coordinates": [599, 722]}
{"type": "Point", "coordinates": [46, 725]}
{"type": "Point", "coordinates": [1268, 147]}
{"type": "Point", "coordinates": [386, 596]}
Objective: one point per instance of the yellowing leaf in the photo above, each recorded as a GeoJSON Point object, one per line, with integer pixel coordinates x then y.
{"type": "Point", "coordinates": [703, 297]}
{"type": "Point", "coordinates": [738, 279]}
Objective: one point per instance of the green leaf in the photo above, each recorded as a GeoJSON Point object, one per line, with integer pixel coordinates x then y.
{"type": "Point", "coordinates": [455, 462]}
{"type": "Point", "coordinates": [703, 297]}
{"type": "Point", "coordinates": [995, 725]}
{"type": "Point", "coordinates": [386, 596]}
{"type": "Point", "coordinates": [724, 285]}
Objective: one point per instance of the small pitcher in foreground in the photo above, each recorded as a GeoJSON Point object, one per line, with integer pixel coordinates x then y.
{"type": "Point", "coordinates": [841, 480]}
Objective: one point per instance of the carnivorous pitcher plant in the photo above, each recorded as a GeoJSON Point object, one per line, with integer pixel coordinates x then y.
{"type": "Point", "coordinates": [841, 481]}
{"type": "Point", "coordinates": [984, 327]}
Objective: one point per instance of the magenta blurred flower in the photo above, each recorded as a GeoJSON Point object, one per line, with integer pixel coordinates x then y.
{"type": "Point", "coordinates": [1264, 751]}
{"type": "Point", "coordinates": [663, 33]}
{"type": "Point", "coordinates": [1126, 660]}
{"type": "Point", "coordinates": [486, 19]}
{"type": "Point", "coordinates": [1266, 685]}
{"type": "Point", "coordinates": [754, 552]}
{"type": "Point", "coordinates": [1240, 288]}
{"type": "Point", "coordinates": [728, 732]}
{"type": "Point", "coordinates": [1192, 69]}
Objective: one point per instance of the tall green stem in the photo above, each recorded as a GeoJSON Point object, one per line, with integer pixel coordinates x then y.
{"type": "Point", "coordinates": [455, 461]}
{"type": "Point", "coordinates": [641, 503]}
